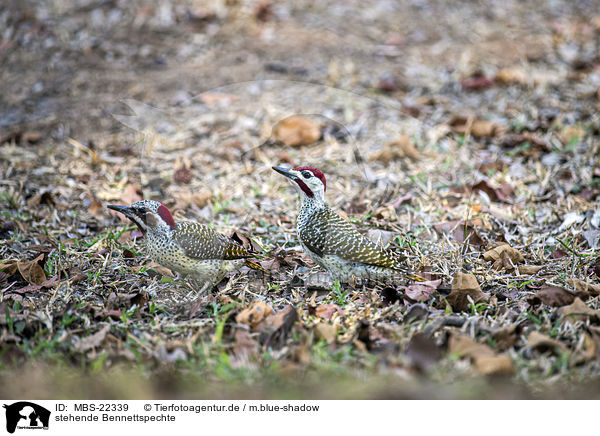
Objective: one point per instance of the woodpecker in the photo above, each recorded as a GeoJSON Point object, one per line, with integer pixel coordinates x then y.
{"type": "Point", "coordinates": [334, 243]}
{"type": "Point", "coordinates": [186, 247]}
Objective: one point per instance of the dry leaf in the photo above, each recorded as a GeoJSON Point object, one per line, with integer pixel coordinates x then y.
{"type": "Point", "coordinates": [476, 82]}
{"type": "Point", "coordinates": [463, 286]}
{"type": "Point", "coordinates": [513, 254]}
{"type": "Point", "coordinates": [94, 340]}
{"type": "Point", "coordinates": [32, 271]}
{"type": "Point", "coordinates": [529, 269]}
{"type": "Point", "coordinates": [186, 198]}
{"type": "Point", "coordinates": [552, 296]}
{"type": "Point", "coordinates": [578, 310]}
{"type": "Point", "coordinates": [400, 148]}
{"type": "Point", "coordinates": [461, 232]}
{"type": "Point", "coordinates": [486, 361]}
{"type": "Point", "coordinates": [244, 345]}
{"type": "Point", "coordinates": [580, 285]}
{"type": "Point", "coordinates": [326, 311]}
{"type": "Point", "coordinates": [500, 193]}
{"type": "Point", "coordinates": [422, 351]}
{"type": "Point", "coordinates": [538, 341]}
{"type": "Point", "coordinates": [213, 98]}
{"type": "Point", "coordinates": [506, 337]}
{"type": "Point", "coordinates": [131, 194]}
{"type": "Point", "coordinates": [183, 175]}
{"type": "Point", "coordinates": [572, 133]}
{"type": "Point", "coordinates": [464, 346]}
{"type": "Point", "coordinates": [9, 268]}
{"type": "Point", "coordinates": [297, 130]}
{"type": "Point", "coordinates": [422, 291]}
{"type": "Point", "coordinates": [495, 365]}
{"type": "Point", "coordinates": [510, 76]}
{"type": "Point", "coordinates": [474, 127]}
{"type": "Point", "coordinates": [254, 313]}
{"type": "Point", "coordinates": [96, 208]}
{"type": "Point", "coordinates": [326, 332]}
{"type": "Point", "coordinates": [276, 327]}
{"type": "Point", "coordinates": [156, 267]}
{"type": "Point", "coordinates": [43, 198]}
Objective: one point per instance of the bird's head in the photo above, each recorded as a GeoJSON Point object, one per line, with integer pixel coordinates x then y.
{"type": "Point", "coordinates": [310, 181]}
{"type": "Point", "coordinates": [148, 215]}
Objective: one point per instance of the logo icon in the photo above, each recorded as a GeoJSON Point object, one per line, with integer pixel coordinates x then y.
{"type": "Point", "coordinates": [26, 415]}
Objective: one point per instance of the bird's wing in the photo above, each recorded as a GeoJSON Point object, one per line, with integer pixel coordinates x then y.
{"type": "Point", "coordinates": [201, 242]}
{"type": "Point", "coordinates": [328, 233]}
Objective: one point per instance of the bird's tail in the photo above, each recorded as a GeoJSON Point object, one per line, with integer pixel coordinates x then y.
{"type": "Point", "coordinates": [414, 277]}
{"type": "Point", "coordinates": [254, 265]}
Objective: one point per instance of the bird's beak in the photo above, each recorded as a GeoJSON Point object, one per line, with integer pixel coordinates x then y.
{"type": "Point", "coordinates": [285, 172]}
{"type": "Point", "coordinates": [125, 210]}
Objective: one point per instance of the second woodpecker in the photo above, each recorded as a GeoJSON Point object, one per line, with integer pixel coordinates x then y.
{"type": "Point", "coordinates": [334, 243]}
{"type": "Point", "coordinates": [186, 247]}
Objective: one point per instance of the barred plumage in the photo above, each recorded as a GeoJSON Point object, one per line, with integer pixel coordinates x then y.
{"type": "Point", "coordinates": [334, 243]}
{"type": "Point", "coordinates": [186, 247]}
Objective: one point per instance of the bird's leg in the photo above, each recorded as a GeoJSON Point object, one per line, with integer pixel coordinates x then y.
{"type": "Point", "coordinates": [205, 286]}
{"type": "Point", "coordinates": [197, 303]}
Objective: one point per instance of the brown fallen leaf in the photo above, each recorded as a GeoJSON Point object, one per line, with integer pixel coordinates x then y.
{"type": "Point", "coordinates": [495, 365]}
{"type": "Point", "coordinates": [9, 268]}
{"type": "Point", "coordinates": [552, 296]}
{"type": "Point", "coordinates": [475, 127]}
{"type": "Point", "coordinates": [495, 254]}
{"type": "Point", "coordinates": [594, 332]}
{"type": "Point", "coordinates": [487, 362]}
{"type": "Point", "coordinates": [558, 254]}
{"type": "Point", "coordinates": [465, 346]}
{"type": "Point", "coordinates": [509, 76]}
{"type": "Point", "coordinates": [464, 286]}
{"type": "Point", "coordinates": [499, 193]}
{"type": "Point", "coordinates": [572, 133]}
{"type": "Point", "coordinates": [589, 350]}
{"type": "Point", "coordinates": [244, 345]}
{"type": "Point", "coordinates": [96, 208]}
{"type": "Point", "coordinates": [31, 271]}
{"type": "Point", "coordinates": [213, 98]}
{"type": "Point", "coordinates": [578, 310]}
{"type": "Point", "coordinates": [580, 285]}
{"type": "Point", "coordinates": [186, 198]}
{"type": "Point", "coordinates": [296, 131]}
{"type": "Point", "coordinates": [529, 269]}
{"type": "Point", "coordinates": [507, 336]}
{"type": "Point", "coordinates": [254, 313]}
{"type": "Point", "coordinates": [131, 194]}
{"type": "Point", "coordinates": [460, 232]}
{"type": "Point", "coordinates": [422, 351]}
{"type": "Point", "coordinates": [326, 311]}
{"type": "Point", "coordinates": [504, 257]}
{"type": "Point", "coordinates": [325, 331]}
{"type": "Point", "coordinates": [94, 340]}
{"type": "Point", "coordinates": [158, 268]}
{"type": "Point", "coordinates": [249, 244]}
{"type": "Point", "coordinates": [398, 149]}
{"type": "Point", "coordinates": [31, 136]}
{"type": "Point", "coordinates": [476, 82]}
{"type": "Point", "coordinates": [182, 175]}
{"type": "Point", "coordinates": [541, 342]}
{"type": "Point", "coordinates": [276, 327]}
{"type": "Point", "coordinates": [422, 291]}
{"type": "Point", "coordinates": [42, 198]}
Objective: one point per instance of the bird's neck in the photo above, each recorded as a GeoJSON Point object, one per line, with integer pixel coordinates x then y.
{"type": "Point", "coordinates": [311, 204]}
{"type": "Point", "coordinates": [163, 233]}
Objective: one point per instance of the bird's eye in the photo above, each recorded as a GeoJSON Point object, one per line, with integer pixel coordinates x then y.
{"type": "Point", "coordinates": [306, 174]}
